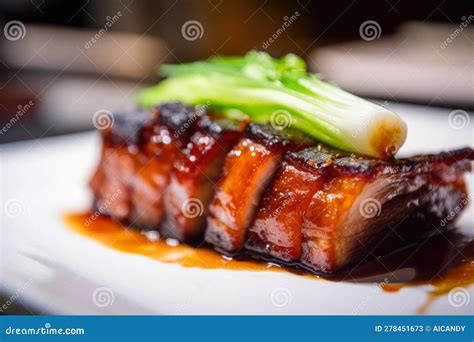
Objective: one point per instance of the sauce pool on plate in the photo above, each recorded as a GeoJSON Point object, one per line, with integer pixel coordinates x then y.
{"type": "Point", "coordinates": [443, 262]}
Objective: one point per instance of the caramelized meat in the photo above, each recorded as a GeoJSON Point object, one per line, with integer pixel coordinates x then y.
{"type": "Point", "coordinates": [139, 152]}
{"type": "Point", "coordinates": [349, 205]}
{"type": "Point", "coordinates": [276, 230]}
{"type": "Point", "coordinates": [161, 168]}
{"type": "Point", "coordinates": [112, 181]}
{"type": "Point", "coordinates": [161, 145]}
{"type": "Point", "coordinates": [155, 160]}
{"type": "Point", "coordinates": [248, 169]}
{"type": "Point", "coordinates": [194, 176]}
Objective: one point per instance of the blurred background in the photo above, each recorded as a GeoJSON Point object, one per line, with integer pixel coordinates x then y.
{"type": "Point", "coordinates": [62, 61]}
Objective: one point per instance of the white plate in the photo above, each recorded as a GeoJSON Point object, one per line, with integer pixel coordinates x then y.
{"type": "Point", "coordinates": [49, 266]}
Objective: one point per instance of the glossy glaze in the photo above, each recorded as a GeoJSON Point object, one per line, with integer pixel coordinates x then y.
{"type": "Point", "coordinates": [192, 182]}
{"type": "Point", "coordinates": [276, 230]}
{"type": "Point", "coordinates": [247, 170]}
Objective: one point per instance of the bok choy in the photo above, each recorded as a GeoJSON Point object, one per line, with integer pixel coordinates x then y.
{"type": "Point", "coordinates": [259, 86]}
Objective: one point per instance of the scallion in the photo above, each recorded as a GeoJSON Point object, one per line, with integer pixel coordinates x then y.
{"type": "Point", "coordinates": [258, 86]}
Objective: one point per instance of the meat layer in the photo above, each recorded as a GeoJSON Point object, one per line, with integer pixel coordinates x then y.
{"type": "Point", "coordinates": [194, 176]}
{"type": "Point", "coordinates": [193, 179]}
{"type": "Point", "coordinates": [157, 167]}
{"type": "Point", "coordinates": [353, 205]}
{"type": "Point", "coordinates": [248, 169]}
{"type": "Point", "coordinates": [111, 183]}
{"type": "Point", "coordinates": [276, 230]}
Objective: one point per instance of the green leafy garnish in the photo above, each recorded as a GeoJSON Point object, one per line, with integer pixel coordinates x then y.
{"type": "Point", "coordinates": [282, 93]}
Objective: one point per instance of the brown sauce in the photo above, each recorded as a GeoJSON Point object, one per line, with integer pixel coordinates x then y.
{"type": "Point", "coordinates": [112, 234]}
{"type": "Point", "coordinates": [443, 261]}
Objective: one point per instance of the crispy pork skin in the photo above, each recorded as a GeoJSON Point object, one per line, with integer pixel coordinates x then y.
{"type": "Point", "coordinates": [248, 169]}
{"type": "Point", "coordinates": [193, 178]}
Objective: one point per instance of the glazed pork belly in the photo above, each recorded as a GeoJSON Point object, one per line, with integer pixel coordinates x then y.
{"type": "Point", "coordinates": [193, 178]}
{"type": "Point", "coordinates": [327, 210]}
{"type": "Point", "coordinates": [158, 169]}
{"type": "Point", "coordinates": [247, 170]}
{"type": "Point", "coordinates": [273, 194]}
{"type": "Point", "coordinates": [111, 183]}
{"type": "Point", "coordinates": [161, 144]}
{"type": "Point", "coordinates": [276, 230]}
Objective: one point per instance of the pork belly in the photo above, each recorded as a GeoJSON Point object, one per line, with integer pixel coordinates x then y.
{"type": "Point", "coordinates": [248, 168]}
{"type": "Point", "coordinates": [162, 143]}
{"type": "Point", "coordinates": [111, 183]}
{"type": "Point", "coordinates": [193, 177]}
{"type": "Point", "coordinates": [139, 151]}
{"type": "Point", "coordinates": [358, 204]}
{"type": "Point", "coordinates": [276, 231]}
